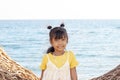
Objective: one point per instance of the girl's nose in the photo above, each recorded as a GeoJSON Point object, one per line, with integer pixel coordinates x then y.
{"type": "Point", "coordinates": [60, 42]}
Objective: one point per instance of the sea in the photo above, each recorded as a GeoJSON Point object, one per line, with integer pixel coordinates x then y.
{"type": "Point", "coordinates": [95, 43]}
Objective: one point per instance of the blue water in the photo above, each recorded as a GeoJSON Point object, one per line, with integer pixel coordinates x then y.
{"type": "Point", "coordinates": [96, 43]}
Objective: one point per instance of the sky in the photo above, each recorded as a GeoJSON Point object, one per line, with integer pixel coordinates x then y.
{"type": "Point", "coordinates": [59, 9]}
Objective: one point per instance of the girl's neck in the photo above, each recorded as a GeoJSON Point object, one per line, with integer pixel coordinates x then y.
{"type": "Point", "coordinates": [56, 53]}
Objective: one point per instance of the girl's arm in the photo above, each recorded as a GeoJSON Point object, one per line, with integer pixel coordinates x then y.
{"type": "Point", "coordinates": [73, 73]}
{"type": "Point", "coordinates": [41, 74]}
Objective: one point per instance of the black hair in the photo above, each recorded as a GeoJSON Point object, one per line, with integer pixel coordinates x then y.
{"type": "Point", "coordinates": [57, 33]}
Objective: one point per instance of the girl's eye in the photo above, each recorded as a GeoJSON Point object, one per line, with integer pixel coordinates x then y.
{"type": "Point", "coordinates": [56, 39]}
{"type": "Point", "coordinates": [63, 39]}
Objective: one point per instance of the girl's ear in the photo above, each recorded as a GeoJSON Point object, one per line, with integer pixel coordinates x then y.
{"type": "Point", "coordinates": [67, 40]}
{"type": "Point", "coordinates": [50, 42]}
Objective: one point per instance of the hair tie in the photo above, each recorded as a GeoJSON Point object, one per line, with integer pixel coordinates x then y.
{"type": "Point", "coordinates": [49, 27]}
{"type": "Point", "coordinates": [62, 25]}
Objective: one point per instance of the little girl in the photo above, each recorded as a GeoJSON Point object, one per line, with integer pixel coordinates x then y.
{"type": "Point", "coordinates": [58, 64]}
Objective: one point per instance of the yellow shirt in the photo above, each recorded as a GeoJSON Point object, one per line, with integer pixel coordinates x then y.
{"type": "Point", "coordinates": [59, 60]}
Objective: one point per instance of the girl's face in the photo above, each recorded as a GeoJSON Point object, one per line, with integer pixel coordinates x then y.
{"type": "Point", "coordinates": [59, 44]}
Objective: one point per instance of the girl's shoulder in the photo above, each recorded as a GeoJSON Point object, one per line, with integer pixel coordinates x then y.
{"type": "Point", "coordinates": [46, 56]}
{"type": "Point", "coordinates": [71, 53]}
{"type": "Point", "coordinates": [72, 59]}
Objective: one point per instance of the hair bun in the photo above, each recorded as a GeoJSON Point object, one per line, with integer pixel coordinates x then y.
{"type": "Point", "coordinates": [49, 27]}
{"type": "Point", "coordinates": [62, 25]}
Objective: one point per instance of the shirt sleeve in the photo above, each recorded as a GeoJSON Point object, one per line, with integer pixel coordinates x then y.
{"type": "Point", "coordinates": [43, 63]}
{"type": "Point", "coordinates": [73, 61]}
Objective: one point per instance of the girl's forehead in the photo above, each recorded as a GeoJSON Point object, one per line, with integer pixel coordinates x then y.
{"type": "Point", "coordinates": [54, 38]}
{"type": "Point", "coordinates": [60, 37]}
